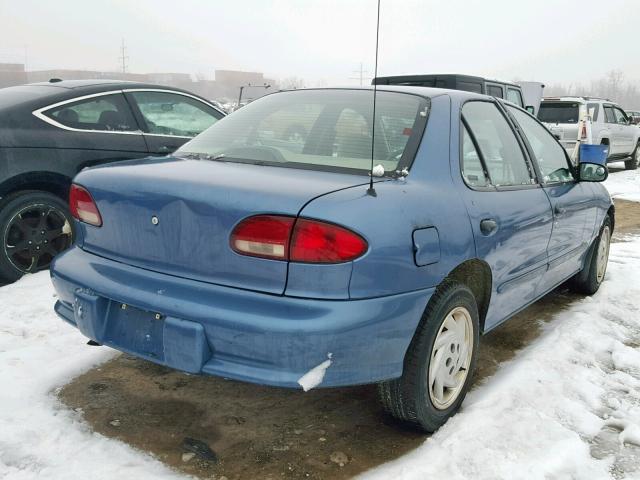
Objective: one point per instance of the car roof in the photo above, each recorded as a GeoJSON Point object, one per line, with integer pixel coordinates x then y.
{"type": "Point", "coordinates": [41, 94]}
{"type": "Point", "coordinates": [429, 76]}
{"type": "Point", "coordinates": [426, 92]}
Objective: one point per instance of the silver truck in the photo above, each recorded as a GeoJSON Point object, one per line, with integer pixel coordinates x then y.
{"type": "Point", "coordinates": [610, 126]}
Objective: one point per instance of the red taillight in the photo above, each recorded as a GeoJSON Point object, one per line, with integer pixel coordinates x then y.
{"type": "Point", "coordinates": [83, 207]}
{"type": "Point", "coordinates": [319, 242]}
{"type": "Point", "coordinates": [302, 240]}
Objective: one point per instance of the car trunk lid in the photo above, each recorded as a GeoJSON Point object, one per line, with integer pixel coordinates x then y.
{"type": "Point", "coordinates": [175, 216]}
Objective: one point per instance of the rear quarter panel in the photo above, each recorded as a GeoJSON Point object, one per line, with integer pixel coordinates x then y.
{"type": "Point", "coordinates": [426, 198]}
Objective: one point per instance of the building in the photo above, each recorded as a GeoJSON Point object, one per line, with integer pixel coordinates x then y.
{"type": "Point", "coordinates": [12, 74]}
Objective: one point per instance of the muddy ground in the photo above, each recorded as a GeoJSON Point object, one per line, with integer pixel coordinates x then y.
{"type": "Point", "coordinates": [268, 433]}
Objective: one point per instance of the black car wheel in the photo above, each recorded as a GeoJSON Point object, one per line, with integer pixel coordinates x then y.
{"type": "Point", "coordinates": [634, 161]}
{"type": "Point", "coordinates": [35, 226]}
{"type": "Point", "coordinates": [439, 364]}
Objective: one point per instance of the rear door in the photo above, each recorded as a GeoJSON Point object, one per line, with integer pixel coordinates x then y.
{"type": "Point", "coordinates": [170, 119]}
{"type": "Point", "coordinates": [573, 202]}
{"type": "Point", "coordinates": [509, 212]}
{"type": "Point", "coordinates": [627, 132]}
{"type": "Point", "coordinates": [616, 140]}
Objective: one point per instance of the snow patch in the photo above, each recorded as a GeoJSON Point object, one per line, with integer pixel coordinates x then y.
{"type": "Point", "coordinates": [378, 171]}
{"type": "Point", "coordinates": [314, 377]}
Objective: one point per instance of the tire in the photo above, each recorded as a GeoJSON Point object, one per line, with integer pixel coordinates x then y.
{"type": "Point", "coordinates": [414, 397]}
{"type": "Point", "coordinates": [634, 161]}
{"type": "Point", "coordinates": [589, 279]}
{"type": "Point", "coordinates": [37, 217]}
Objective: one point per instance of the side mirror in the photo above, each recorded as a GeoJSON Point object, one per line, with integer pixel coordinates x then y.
{"type": "Point", "coordinates": [531, 109]}
{"type": "Point", "coordinates": [593, 163]}
{"type": "Point", "coordinates": [592, 172]}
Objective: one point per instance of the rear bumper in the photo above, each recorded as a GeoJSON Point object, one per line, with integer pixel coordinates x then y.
{"type": "Point", "coordinates": [234, 333]}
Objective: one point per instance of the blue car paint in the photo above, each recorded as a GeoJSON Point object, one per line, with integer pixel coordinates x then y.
{"type": "Point", "coordinates": [269, 322]}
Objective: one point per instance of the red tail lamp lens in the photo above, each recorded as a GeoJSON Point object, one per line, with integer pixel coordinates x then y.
{"type": "Point", "coordinates": [83, 207]}
{"type": "Point", "coordinates": [319, 242]}
{"type": "Point", "coordinates": [301, 240]}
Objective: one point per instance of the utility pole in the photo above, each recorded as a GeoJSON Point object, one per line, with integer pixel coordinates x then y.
{"type": "Point", "coordinates": [123, 56]}
{"type": "Point", "coordinates": [360, 75]}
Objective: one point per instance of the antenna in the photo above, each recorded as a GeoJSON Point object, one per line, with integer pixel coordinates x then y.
{"type": "Point", "coordinates": [371, 191]}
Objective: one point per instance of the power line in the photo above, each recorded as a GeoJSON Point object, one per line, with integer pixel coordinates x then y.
{"type": "Point", "coordinates": [123, 56]}
{"type": "Point", "coordinates": [361, 75]}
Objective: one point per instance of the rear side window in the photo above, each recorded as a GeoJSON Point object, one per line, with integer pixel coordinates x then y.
{"type": "Point", "coordinates": [549, 154]}
{"type": "Point", "coordinates": [495, 91]}
{"type": "Point", "coordinates": [105, 112]}
{"type": "Point", "coordinates": [472, 169]}
{"type": "Point", "coordinates": [470, 87]}
{"type": "Point", "coordinates": [515, 97]}
{"type": "Point", "coordinates": [559, 112]}
{"type": "Point", "coordinates": [499, 148]}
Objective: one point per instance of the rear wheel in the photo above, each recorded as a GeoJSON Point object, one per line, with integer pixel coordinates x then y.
{"type": "Point", "coordinates": [439, 364]}
{"type": "Point", "coordinates": [34, 227]}
{"type": "Point", "coordinates": [634, 161]}
{"type": "Point", "coordinates": [588, 281]}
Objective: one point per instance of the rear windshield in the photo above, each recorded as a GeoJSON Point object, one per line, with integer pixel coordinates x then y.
{"type": "Point", "coordinates": [559, 112]}
{"type": "Point", "coordinates": [318, 129]}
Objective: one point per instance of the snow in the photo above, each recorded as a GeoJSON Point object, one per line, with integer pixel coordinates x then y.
{"type": "Point", "coordinates": [39, 437]}
{"type": "Point", "coordinates": [565, 407]}
{"type": "Point", "coordinates": [378, 171]}
{"type": "Point", "coordinates": [314, 377]}
{"type": "Point", "coordinates": [624, 184]}
{"type": "Point", "coordinates": [545, 413]}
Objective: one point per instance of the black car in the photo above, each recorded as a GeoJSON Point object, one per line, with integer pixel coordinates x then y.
{"type": "Point", "coordinates": [50, 131]}
{"type": "Point", "coordinates": [469, 83]}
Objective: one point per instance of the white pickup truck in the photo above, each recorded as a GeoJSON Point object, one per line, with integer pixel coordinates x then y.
{"type": "Point", "coordinates": [610, 126]}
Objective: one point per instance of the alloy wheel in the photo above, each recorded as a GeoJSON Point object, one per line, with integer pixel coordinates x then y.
{"type": "Point", "coordinates": [34, 235]}
{"type": "Point", "coordinates": [450, 358]}
{"type": "Point", "coordinates": [603, 253]}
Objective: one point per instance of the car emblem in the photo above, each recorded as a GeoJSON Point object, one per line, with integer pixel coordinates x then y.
{"type": "Point", "coordinates": [155, 220]}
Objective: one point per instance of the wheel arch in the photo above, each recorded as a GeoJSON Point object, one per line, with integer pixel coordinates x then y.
{"type": "Point", "coordinates": [475, 274]}
{"type": "Point", "coordinates": [51, 182]}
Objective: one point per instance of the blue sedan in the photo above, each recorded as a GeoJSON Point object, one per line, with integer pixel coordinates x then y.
{"type": "Point", "coordinates": [260, 252]}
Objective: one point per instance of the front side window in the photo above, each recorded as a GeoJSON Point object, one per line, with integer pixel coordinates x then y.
{"type": "Point", "coordinates": [318, 129]}
{"type": "Point", "coordinates": [105, 112]}
{"type": "Point", "coordinates": [498, 144]}
{"type": "Point", "coordinates": [621, 118]}
{"type": "Point", "coordinates": [495, 91]}
{"type": "Point", "coordinates": [174, 115]}
{"type": "Point", "coordinates": [559, 112]}
{"type": "Point", "coordinates": [514, 96]}
{"type": "Point", "coordinates": [549, 154]}
{"type": "Point", "coordinates": [609, 114]}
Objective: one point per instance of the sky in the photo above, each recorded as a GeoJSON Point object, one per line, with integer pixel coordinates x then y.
{"type": "Point", "coordinates": [325, 41]}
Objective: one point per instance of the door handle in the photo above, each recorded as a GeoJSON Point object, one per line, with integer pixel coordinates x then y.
{"type": "Point", "coordinates": [560, 210]}
{"type": "Point", "coordinates": [488, 226]}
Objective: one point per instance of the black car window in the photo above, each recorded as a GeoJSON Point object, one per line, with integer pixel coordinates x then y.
{"type": "Point", "coordinates": [609, 115]}
{"type": "Point", "coordinates": [495, 91]}
{"type": "Point", "coordinates": [559, 112]}
{"type": "Point", "coordinates": [105, 112]}
{"type": "Point", "coordinates": [549, 154]}
{"type": "Point", "coordinates": [514, 96]}
{"type": "Point", "coordinates": [470, 87]}
{"type": "Point", "coordinates": [498, 144]}
{"type": "Point", "coordinates": [172, 114]}
{"type": "Point", "coordinates": [472, 170]}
